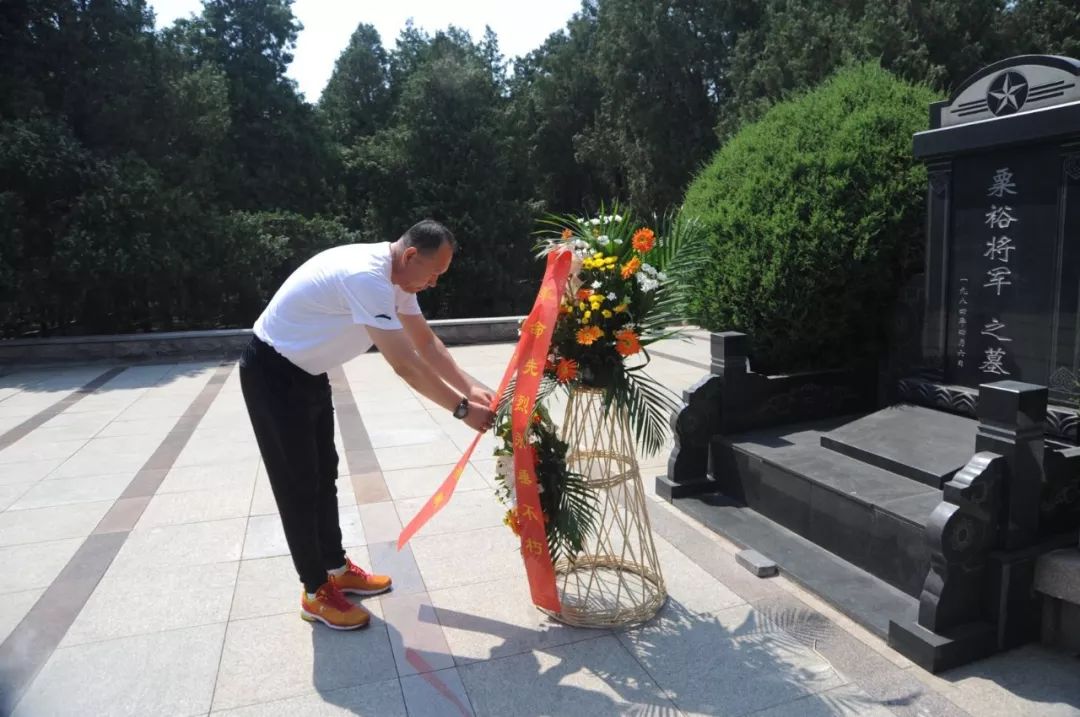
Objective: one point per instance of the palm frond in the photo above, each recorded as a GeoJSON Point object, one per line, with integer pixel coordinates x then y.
{"type": "Point", "coordinates": [649, 405]}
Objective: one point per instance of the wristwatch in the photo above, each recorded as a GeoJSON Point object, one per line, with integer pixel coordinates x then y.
{"type": "Point", "coordinates": [462, 409]}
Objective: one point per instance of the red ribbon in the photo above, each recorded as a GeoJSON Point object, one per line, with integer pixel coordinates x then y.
{"type": "Point", "coordinates": [527, 363]}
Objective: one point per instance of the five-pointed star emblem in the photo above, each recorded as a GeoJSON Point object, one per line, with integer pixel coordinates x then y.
{"type": "Point", "coordinates": [1007, 95]}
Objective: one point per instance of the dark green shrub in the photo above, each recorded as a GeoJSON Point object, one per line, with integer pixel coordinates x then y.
{"type": "Point", "coordinates": [814, 215]}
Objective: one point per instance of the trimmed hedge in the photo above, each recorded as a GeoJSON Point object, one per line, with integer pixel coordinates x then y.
{"type": "Point", "coordinates": [815, 216]}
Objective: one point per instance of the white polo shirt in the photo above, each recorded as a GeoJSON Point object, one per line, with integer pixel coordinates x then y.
{"type": "Point", "coordinates": [318, 319]}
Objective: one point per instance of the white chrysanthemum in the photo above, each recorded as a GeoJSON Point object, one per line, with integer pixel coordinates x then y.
{"type": "Point", "coordinates": [603, 240]}
{"type": "Point", "coordinates": [596, 285]}
{"type": "Point", "coordinates": [618, 241]}
{"type": "Point", "coordinates": [595, 222]}
{"type": "Point", "coordinates": [661, 276]}
{"type": "Point", "coordinates": [611, 296]}
{"type": "Point", "coordinates": [617, 218]}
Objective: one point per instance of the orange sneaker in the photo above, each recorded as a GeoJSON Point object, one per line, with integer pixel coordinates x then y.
{"type": "Point", "coordinates": [357, 581]}
{"type": "Point", "coordinates": [333, 609]}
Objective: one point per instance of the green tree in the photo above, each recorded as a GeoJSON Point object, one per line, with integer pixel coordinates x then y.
{"type": "Point", "coordinates": [657, 67]}
{"type": "Point", "coordinates": [444, 156]}
{"type": "Point", "coordinates": [555, 97]}
{"type": "Point", "coordinates": [813, 215]}
{"type": "Point", "coordinates": [356, 101]}
{"type": "Point", "coordinates": [277, 151]}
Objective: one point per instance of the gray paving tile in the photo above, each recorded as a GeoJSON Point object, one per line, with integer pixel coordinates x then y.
{"type": "Point", "coordinates": [846, 701]}
{"type": "Point", "coordinates": [55, 523]}
{"type": "Point", "coordinates": [175, 546]}
{"type": "Point", "coordinates": [380, 521]}
{"type": "Point", "coordinates": [1031, 680]}
{"type": "Point", "coordinates": [400, 565]}
{"type": "Point", "coordinates": [68, 491]}
{"type": "Point", "coordinates": [195, 507]}
{"type": "Point", "coordinates": [12, 492]}
{"type": "Point", "coordinates": [731, 662]}
{"type": "Point", "coordinates": [706, 554]}
{"type": "Point", "coordinates": [82, 465]}
{"type": "Point", "coordinates": [35, 565]}
{"type": "Point", "coordinates": [693, 587]}
{"type": "Point", "coordinates": [379, 699]}
{"type": "Point", "coordinates": [372, 409]}
{"type": "Point", "coordinates": [282, 656]}
{"type": "Point", "coordinates": [467, 510]}
{"type": "Point", "coordinates": [164, 673]}
{"type": "Point", "coordinates": [423, 482]}
{"type": "Point", "coordinates": [27, 472]}
{"type": "Point", "coordinates": [454, 559]}
{"type": "Point", "coordinates": [122, 516]}
{"type": "Point", "coordinates": [382, 436]}
{"type": "Point", "coordinates": [266, 537]}
{"type": "Point", "coordinates": [30, 449]}
{"type": "Point", "coordinates": [415, 634]}
{"type": "Point", "coordinates": [431, 454]}
{"type": "Point", "coordinates": [478, 627]}
{"type": "Point", "coordinates": [262, 499]}
{"type": "Point", "coordinates": [270, 586]}
{"type": "Point", "coordinates": [232, 475]}
{"type": "Point", "coordinates": [369, 487]}
{"type": "Point", "coordinates": [13, 608]}
{"type": "Point", "coordinates": [214, 452]}
{"type": "Point", "coordinates": [436, 694]}
{"type": "Point", "coordinates": [168, 600]}
{"type": "Point", "coordinates": [592, 677]}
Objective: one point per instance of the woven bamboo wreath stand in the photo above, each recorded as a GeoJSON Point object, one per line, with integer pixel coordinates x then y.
{"type": "Point", "coordinates": [616, 579]}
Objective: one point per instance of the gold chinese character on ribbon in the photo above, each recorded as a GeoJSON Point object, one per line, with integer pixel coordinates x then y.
{"type": "Point", "coordinates": [521, 404]}
{"type": "Point", "coordinates": [519, 440]}
{"type": "Point", "coordinates": [545, 293]}
{"type": "Point", "coordinates": [524, 478]}
{"type": "Point", "coordinates": [533, 546]}
{"type": "Point", "coordinates": [531, 368]}
{"type": "Point", "coordinates": [538, 329]}
{"type": "Point", "coordinates": [526, 512]}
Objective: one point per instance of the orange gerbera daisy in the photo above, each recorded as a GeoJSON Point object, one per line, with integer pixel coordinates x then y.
{"type": "Point", "coordinates": [583, 294]}
{"type": "Point", "coordinates": [643, 240]}
{"type": "Point", "coordinates": [510, 520]}
{"type": "Point", "coordinates": [566, 370]}
{"type": "Point", "coordinates": [589, 335]}
{"type": "Point", "coordinates": [631, 267]}
{"type": "Point", "coordinates": [566, 234]}
{"type": "Point", "coordinates": [627, 342]}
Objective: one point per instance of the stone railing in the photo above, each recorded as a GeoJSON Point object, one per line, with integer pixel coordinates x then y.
{"type": "Point", "coordinates": [226, 342]}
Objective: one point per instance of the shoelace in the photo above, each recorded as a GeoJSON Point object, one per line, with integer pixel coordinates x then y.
{"type": "Point", "coordinates": [335, 598]}
{"type": "Point", "coordinates": [351, 567]}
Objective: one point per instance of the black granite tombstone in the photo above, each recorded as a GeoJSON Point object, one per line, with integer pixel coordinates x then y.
{"type": "Point", "coordinates": [937, 519]}
{"type": "Point", "coordinates": [1003, 273]}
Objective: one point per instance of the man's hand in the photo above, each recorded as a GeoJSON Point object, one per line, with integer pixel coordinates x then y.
{"type": "Point", "coordinates": [482, 395]}
{"type": "Point", "coordinates": [480, 417]}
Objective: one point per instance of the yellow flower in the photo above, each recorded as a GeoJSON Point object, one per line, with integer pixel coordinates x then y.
{"type": "Point", "coordinates": [607, 314]}
{"type": "Point", "coordinates": [621, 308]}
{"type": "Point", "coordinates": [581, 305]}
{"type": "Point", "coordinates": [588, 315]}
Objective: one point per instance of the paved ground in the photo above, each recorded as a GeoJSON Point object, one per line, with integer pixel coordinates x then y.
{"type": "Point", "coordinates": [145, 573]}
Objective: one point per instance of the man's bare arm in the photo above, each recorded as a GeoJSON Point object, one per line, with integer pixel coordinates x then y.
{"type": "Point", "coordinates": [434, 353]}
{"type": "Point", "coordinates": [399, 352]}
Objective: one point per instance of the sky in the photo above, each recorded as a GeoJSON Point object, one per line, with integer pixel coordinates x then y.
{"type": "Point", "coordinates": [521, 26]}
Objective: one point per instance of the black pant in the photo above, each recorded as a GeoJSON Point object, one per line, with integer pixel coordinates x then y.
{"type": "Point", "coordinates": [293, 417]}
